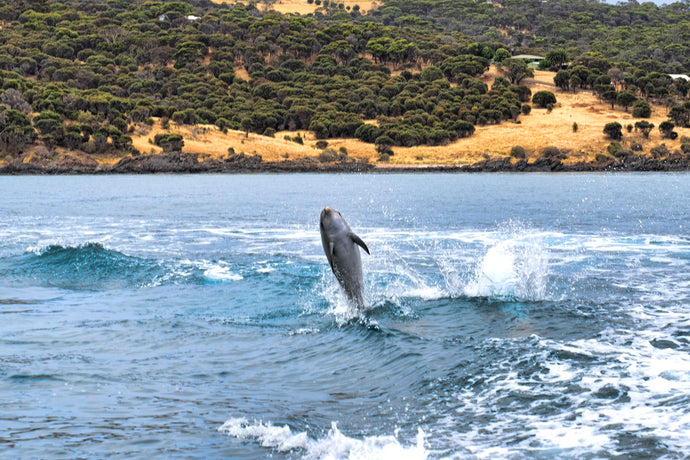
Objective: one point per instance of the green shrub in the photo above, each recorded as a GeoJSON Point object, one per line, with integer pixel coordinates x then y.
{"type": "Point", "coordinates": [613, 148]}
{"type": "Point", "coordinates": [618, 151]}
{"type": "Point", "coordinates": [169, 142]}
{"type": "Point", "coordinates": [328, 156]}
{"type": "Point", "coordinates": [659, 151]}
{"type": "Point", "coordinates": [644, 127]}
{"type": "Point", "coordinates": [384, 144]}
{"type": "Point", "coordinates": [641, 109]}
{"type": "Point", "coordinates": [550, 152]}
{"type": "Point", "coordinates": [666, 128]}
{"type": "Point", "coordinates": [518, 152]}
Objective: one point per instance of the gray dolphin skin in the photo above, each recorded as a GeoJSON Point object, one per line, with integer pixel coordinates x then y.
{"type": "Point", "coordinates": [340, 245]}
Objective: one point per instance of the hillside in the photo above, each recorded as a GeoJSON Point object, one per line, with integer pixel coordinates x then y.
{"type": "Point", "coordinates": [537, 130]}
{"type": "Point", "coordinates": [325, 84]}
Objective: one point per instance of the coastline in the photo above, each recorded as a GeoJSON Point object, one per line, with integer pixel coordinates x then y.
{"type": "Point", "coordinates": [187, 163]}
{"type": "Point", "coordinates": [547, 138]}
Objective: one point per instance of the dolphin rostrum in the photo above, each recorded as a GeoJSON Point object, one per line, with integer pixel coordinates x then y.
{"type": "Point", "coordinates": [340, 245]}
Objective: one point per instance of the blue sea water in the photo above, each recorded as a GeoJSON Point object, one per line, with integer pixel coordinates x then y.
{"type": "Point", "coordinates": [508, 316]}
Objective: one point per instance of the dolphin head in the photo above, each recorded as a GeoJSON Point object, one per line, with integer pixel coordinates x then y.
{"type": "Point", "coordinates": [332, 222]}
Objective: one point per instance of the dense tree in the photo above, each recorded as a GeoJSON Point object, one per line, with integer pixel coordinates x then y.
{"type": "Point", "coordinates": [680, 114]}
{"type": "Point", "coordinates": [169, 142]}
{"type": "Point", "coordinates": [384, 144]}
{"type": "Point", "coordinates": [641, 109]}
{"type": "Point", "coordinates": [556, 58]}
{"type": "Point", "coordinates": [613, 130]}
{"type": "Point", "coordinates": [16, 131]}
{"type": "Point", "coordinates": [644, 127]}
{"type": "Point", "coordinates": [625, 99]}
{"type": "Point", "coordinates": [543, 98]}
{"type": "Point", "coordinates": [666, 128]}
{"type": "Point", "coordinates": [82, 72]}
{"type": "Point", "coordinates": [516, 70]}
{"type": "Point", "coordinates": [501, 55]}
{"type": "Point", "coordinates": [562, 80]}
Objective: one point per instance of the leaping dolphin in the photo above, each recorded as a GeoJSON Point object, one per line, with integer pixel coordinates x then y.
{"type": "Point", "coordinates": [340, 245]}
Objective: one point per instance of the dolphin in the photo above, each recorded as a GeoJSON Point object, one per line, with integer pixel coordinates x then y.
{"type": "Point", "coordinates": [340, 246]}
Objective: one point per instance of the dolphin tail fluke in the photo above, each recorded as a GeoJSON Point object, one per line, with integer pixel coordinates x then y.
{"type": "Point", "coordinates": [358, 240]}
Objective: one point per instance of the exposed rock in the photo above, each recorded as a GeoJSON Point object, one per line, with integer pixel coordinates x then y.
{"type": "Point", "coordinates": [72, 163]}
{"type": "Point", "coordinates": [151, 164]}
{"type": "Point", "coordinates": [53, 163]}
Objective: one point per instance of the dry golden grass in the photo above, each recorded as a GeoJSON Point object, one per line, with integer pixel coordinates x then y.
{"type": "Point", "coordinates": [303, 7]}
{"type": "Point", "coordinates": [210, 142]}
{"type": "Point", "coordinates": [542, 129]}
{"type": "Point", "coordinates": [241, 72]}
{"type": "Point", "coordinates": [534, 132]}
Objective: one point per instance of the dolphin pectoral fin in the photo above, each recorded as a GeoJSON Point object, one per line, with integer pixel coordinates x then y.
{"type": "Point", "coordinates": [358, 240]}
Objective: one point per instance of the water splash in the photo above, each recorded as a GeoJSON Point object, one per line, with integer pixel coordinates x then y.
{"type": "Point", "coordinates": [513, 265]}
{"type": "Point", "coordinates": [392, 278]}
{"type": "Point", "coordinates": [335, 445]}
{"type": "Point", "coordinates": [517, 268]}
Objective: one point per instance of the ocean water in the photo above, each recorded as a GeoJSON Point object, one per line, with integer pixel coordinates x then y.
{"type": "Point", "coordinates": [508, 316]}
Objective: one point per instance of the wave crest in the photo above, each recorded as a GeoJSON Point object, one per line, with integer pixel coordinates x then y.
{"type": "Point", "coordinates": [93, 267]}
{"type": "Point", "coordinates": [335, 445]}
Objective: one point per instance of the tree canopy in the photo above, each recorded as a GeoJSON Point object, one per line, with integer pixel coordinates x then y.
{"type": "Point", "coordinates": [82, 74]}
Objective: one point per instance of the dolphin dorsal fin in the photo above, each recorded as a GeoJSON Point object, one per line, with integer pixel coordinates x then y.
{"type": "Point", "coordinates": [358, 240]}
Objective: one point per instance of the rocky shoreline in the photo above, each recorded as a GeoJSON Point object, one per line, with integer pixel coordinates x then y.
{"type": "Point", "coordinates": [189, 163]}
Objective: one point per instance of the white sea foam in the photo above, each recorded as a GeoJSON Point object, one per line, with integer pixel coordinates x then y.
{"type": "Point", "coordinates": [335, 445]}
{"type": "Point", "coordinates": [631, 388]}
{"type": "Point", "coordinates": [217, 271]}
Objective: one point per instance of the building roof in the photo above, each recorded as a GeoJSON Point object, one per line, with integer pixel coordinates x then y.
{"type": "Point", "coordinates": [528, 56]}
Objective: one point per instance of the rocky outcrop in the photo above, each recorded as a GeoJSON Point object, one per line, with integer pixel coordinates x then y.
{"type": "Point", "coordinates": [61, 163]}
{"type": "Point", "coordinates": [152, 164]}
{"type": "Point", "coordinates": [183, 163]}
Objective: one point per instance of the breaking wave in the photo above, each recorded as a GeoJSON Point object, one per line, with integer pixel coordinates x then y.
{"type": "Point", "coordinates": [335, 445]}
{"type": "Point", "coordinates": [93, 267]}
